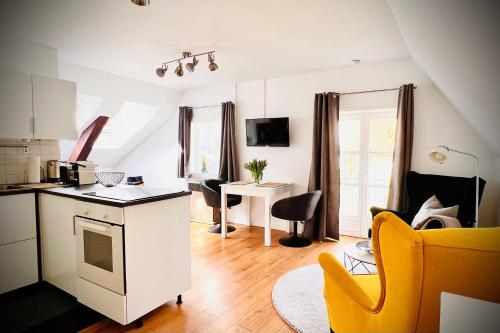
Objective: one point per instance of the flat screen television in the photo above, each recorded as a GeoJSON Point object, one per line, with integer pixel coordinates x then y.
{"type": "Point", "coordinates": [271, 132]}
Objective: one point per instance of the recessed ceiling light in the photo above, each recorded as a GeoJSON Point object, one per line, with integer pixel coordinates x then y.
{"type": "Point", "coordinates": [356, 61]}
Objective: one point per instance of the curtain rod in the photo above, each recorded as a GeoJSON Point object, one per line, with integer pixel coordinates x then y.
{"type": "Point", "coordinates": [205, 106]}
{"type": "Point", "coordinates": [369, 91]}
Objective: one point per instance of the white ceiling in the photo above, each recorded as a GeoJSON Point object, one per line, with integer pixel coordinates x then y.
{"type": "Point", "coordinates": [253, 39]}
{"type": "Point", "coordinates": [456, 43]}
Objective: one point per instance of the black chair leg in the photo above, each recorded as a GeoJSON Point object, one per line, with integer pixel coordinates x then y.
{"type": "Point", "coordinates": [294, 240]}
{"type": "Point", "coordinates": [217, 229]}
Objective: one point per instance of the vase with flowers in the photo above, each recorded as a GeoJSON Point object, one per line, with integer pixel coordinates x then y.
{"type": "Point", "coordinates": [256, 167]}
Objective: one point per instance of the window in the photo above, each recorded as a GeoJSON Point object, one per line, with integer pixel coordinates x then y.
{"type": "Point", "coordinates": [205, 141]}
{"type": "Point", "coordinates": [366, 148]}
{"type": "Point", "coordinates": [131, 118]}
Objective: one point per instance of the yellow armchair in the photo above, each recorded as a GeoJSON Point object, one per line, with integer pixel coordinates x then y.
{"type": "Point", "coordinates": [414, 267]}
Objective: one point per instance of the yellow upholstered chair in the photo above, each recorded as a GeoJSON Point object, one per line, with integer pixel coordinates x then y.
{"type": "Point", "coordinates": [414, 267]}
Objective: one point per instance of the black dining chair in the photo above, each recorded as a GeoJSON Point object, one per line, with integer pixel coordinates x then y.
{"type": "Point", "coordinates": [210, 188]}
{"type": "Point", "coordinates": [297, 208]}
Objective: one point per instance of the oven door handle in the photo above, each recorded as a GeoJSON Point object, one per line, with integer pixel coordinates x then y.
{"type": "Point", "coordinates": [92, 226]}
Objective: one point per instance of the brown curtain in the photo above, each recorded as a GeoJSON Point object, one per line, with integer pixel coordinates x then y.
{"type": "Point", "coordinates": [184, 139]}
{"type": "Point", "coordinates": [325, 172]}
{"type": "Point", "coordinates": [401, 164]}
{"type": "Point", "coordinates": [228, 166]}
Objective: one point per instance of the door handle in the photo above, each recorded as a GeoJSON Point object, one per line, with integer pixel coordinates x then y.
{"type": "Point", "coordinates": [93, 226]}
{"type": "Point", "coordinates": [74, 228]}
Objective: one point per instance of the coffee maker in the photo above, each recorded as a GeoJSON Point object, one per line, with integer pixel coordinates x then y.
{"type": "Point", "coordinates": [84, 172]}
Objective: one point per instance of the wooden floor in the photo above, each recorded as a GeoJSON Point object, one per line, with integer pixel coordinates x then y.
{"type": "Point", "coordinates": [232, 281]}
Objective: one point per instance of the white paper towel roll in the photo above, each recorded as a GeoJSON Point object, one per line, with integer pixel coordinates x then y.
{"type": "Point", "coordinates": [34, 169]}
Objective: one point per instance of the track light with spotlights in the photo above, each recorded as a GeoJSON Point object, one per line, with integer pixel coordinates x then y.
{"type": "Point", "coordinates": [191, 65]}
{"type": "Point", "coordinates": [212, 66]}
{"type": "Point", "coordinates": [179, 71]}
{"type": "Point", "coordinates": [160, 71]}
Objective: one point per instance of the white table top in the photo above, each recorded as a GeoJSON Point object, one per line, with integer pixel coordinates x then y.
{"type": "Point", "coordinates": [465, 314]}
{"type": "Point", "coordinates": [254, 190]}
{"type": "Point", "coordinates": [355, 253]}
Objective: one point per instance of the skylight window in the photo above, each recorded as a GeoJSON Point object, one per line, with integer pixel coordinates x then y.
{"type": "Point", "coordinates": [125, 124]}
{"type": "Point", "coordinates": [87, 107]}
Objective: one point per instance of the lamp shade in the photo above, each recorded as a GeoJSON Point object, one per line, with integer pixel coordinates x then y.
{"type": "Point", "coordinates": [141, 2]}
{"type": "Point", "coordinates": [437, 157]}
{"type": "Point", "coordinates": [160, 71]}
{"type": "Point", "coordinates": [190, 66]}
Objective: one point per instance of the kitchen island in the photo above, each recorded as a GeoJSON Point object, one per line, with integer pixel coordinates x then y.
{"type": "Point", "coordinates": [121, 251]}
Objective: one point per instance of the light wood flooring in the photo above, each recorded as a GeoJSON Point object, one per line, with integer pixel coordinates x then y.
{"type": "Point", "coordinates": [231, 288]}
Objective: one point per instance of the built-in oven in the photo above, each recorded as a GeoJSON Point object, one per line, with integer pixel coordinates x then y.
{"type": "Point", "coordinates": [99, 250]}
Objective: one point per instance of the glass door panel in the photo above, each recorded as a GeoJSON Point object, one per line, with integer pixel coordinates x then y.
{"type": "Point", "coordinates": [98, 250]}
{"type": "Point", "coordinates": [350, 174]}
{"type": "Point", "coordinates": [349, 200]}
{"type": "Point", "coordinates": [366, 149]}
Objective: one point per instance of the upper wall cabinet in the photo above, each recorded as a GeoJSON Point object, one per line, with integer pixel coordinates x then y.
{"type": "Point", "coordinates": [54, 108]}
{"type": "Point", "coordinates": [36, 107]}
{"type": "Point", "coordinates": [16, 105]}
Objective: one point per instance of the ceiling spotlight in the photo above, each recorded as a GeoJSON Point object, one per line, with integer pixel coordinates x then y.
{"type": "Point", "coordinates": [141, 3]}
{"type": "Point", "coordinates": [179, 71]}
{"type": "Point", "coordinates": [191, 65]}
{"type": "Point", "coordinates": [160, 71]}
{"type": "Point", "coordinates": [213, 66]}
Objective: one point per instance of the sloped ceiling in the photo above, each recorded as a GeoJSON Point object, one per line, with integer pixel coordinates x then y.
{"type": "Point", "coordinates": [252, 39]}
{"type": "Point", "coordinates": [457, 43]}
{"type": "Point", "coordinates": [113, 92]}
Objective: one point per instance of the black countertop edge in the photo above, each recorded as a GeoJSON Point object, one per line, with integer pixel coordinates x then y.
{"type": "Point", "coordinates": [115, 203]}
{"type": "Point", "coordinates": [17, 191]}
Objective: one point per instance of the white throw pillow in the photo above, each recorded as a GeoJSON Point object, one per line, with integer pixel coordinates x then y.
{"type": "Point", "coordinates": [433, 207]}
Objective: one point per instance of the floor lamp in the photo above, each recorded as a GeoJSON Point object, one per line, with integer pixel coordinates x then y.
{"type": "Point", "coordinates": [438, 155]}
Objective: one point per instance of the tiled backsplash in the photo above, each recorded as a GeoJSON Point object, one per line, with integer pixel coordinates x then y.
{"type": "Point", "coordinates": [14, 160]}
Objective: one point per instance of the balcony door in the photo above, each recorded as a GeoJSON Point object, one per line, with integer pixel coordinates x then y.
{"type": "Point", "coordinates": [366, 148]}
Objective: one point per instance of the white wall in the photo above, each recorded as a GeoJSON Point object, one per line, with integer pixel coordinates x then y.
{"type": "Point", "coordinates": [436, 122]}
{"type": "Point", "coordinates": [115, 90]}
{"type": "Point", "coordinates": [456, 44]}
{"type": "Point", "coordinates": [24, 56]}
{"type": "Point", "coordinates": [156, 158]}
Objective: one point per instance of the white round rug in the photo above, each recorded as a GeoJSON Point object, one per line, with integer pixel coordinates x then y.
{"type": "Point", "coordinates": [298, 299]}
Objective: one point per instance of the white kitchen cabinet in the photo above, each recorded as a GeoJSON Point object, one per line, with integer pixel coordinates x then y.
{"type": "Point", "coordinates": [58, 241]}
{"type": "Point", "coordinates": [18, 253]}
{"type": "Point", "coordinates": [54, 108]}
{"type": "Point", "coordinates": [18, 218]}
{"type": "Point", "coordinates": [18, 262]}
{"type": "Point", "coordinates": [147, 248]}
{"type": "Point", "coordinates": [16, 109]}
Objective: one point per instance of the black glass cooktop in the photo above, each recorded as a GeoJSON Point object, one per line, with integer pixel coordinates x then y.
{"type": "Point", "coordinates": [131, 194]}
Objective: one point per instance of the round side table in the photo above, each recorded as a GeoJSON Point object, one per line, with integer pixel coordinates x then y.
{"type": "Point", "coordinates": [357, 257]}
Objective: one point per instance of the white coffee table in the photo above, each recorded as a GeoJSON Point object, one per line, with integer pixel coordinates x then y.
{"type": "Point", "coordinates": [357, 257]}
